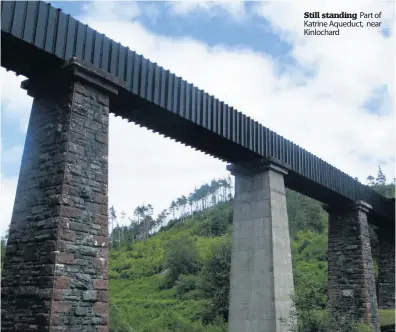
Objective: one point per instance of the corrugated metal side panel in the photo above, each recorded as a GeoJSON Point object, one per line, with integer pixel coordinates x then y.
{"type": "Point", "coordinates": [157, 84]}
{"type": "Point", "coordinates": [164, 88]}
{"type": "Point", "coordinates": [7, 15]}
{"type": "Point", "coordinates": [193, 104]}
{"type": "Point", "coordinates": [150, 81]}
{"type": "Point", "coordinates": [41, 25]}
{"type": "Point", "coordinates": [137, 72]}
{"type": "Point", "coordinates": [122, 62]}
{"type": "Point", "coordinates": [18, 21]}
{"type": "Point", "coordinates": [182, 104]}
{"type": "Point", "coordinates": [80, 40]}
{"type": "Point", "coordinates": [219, 130]}
{"type": "Point", "coordinates": [205, 97]}
{"type": "Point", "coordinates": [188, 103]}
{"type": "Point", "coordinates": [229, 122]}
{"type": "Point", "coordinates": [176, 94]}
{"type": "Point", "coordinates": [50, 29]}
{"type": "Point", "coordinates": [71, 38]}
{"type": "Point", "coordinates": [170, 80]}
{"type": "Point", "coordinates": [29, 29]}
{"type": "Point", "coordinates": [199, 106]}
{"type": "Point", "coordinates": [60, 37]}
{"type": "Point", "coordinates": [114, 57]}
{"type": "Point", "coordinates": [129, 70]}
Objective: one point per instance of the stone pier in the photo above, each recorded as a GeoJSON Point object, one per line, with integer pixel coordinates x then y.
{"type": "Point", "coordinates": [386, 268]}
{"type": "Point", "coordinates": [55, 275]}
{"type": "Point", "coordinates": [261, 264]}
{"type": "Point", "coordinates": [351, 283]}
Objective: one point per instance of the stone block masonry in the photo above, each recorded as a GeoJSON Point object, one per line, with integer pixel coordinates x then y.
{"type": "Point", "coordinates": [351, 283]}
{"type": "Point", "coordinates": [55, 275]}
{"type": "Point", "coordinates": [386, 268]}
{"type": "Point", "coordinates": [261, 264]}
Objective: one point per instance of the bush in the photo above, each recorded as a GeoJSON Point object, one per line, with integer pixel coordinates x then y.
{"type": "Point", "coordinates": [215, 279]}
{"type": "Point", "coordinates": [118, 321]}
{"type": "Point", "coordinates": [186, 284]}
{"type": "Point", "coordinates": [173, 322]}
{"type": "Point", "coordinates": [310, 316]}
{"type": "Point", "coordinates": [181, 257]}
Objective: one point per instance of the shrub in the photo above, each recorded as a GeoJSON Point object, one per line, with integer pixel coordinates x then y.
{"type": "Point", "coordinates": [215, 279]}
{"type": "Point", "coordinates": [181, 257]}
{"type": "Point", "coordinates": [310, 316]}
{"type": "Point", "coordinates": [186, 284]}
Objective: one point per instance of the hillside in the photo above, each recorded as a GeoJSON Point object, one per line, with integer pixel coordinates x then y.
{"type": "Point", "coordinates": [147, 300]}
{"type": "Point", "coordinates": [178, 278]}
{"type": "Point", "coordinates": [171, 273]}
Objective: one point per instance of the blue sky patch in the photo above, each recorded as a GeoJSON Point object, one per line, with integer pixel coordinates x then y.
{"type": "Point", "coordinates": [380, 102]}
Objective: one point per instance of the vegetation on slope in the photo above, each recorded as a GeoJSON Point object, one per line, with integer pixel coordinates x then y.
{"type": "Point", "coordinates": [173, 275]}
{"type": "Point", "coordinates": [178, 279]}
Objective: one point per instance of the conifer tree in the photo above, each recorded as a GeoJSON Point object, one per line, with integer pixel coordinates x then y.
{"type": "Point", "coordinates": [370, 180]}
{"type": "Point", "coordinates": [381, 179]}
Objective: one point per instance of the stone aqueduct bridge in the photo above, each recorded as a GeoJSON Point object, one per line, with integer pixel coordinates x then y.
{"type": "Point", "coordinates": [55, 275]}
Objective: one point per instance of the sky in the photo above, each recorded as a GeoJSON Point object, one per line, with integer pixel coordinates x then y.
{"type": "Point", "coordinates": [332, 95]}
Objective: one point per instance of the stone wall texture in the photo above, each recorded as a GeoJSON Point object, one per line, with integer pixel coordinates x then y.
{"type": "Point", "coordinates": [351, 283]}
{"type": "Point", "coordinates": [55, 275]}
{"type": "Point", "coordinates": [386, 268]}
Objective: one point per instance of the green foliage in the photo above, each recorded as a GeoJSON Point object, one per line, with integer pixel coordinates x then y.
{"type": "Point", "coordinates": [309, 255]}
{"type": "Point", "coordinates": [172, 321]}
{"type": "Point", "coordinates": [213, 221]}
{"type": "Point", "coordinates": [387, 190]}
{"type": "Point", "coordinates": [215, 279]}
{"type": "Point", "coordinates": [186, 287]}
{"type": "Point", "coordinates": [142, 260]}
{"type": "Point", "coordinates": [3, 243]}
{"type": "Point", "coordinates": [178, 279]}
{"type": "Point", "coordinates": [118, 321]}
{"type": "Point", "coordinates": [310, 316]}
{"type": "Point", "coordinates": [140, 304]}
{"type": "Point", "coordinates": [304, 214]}
{"type": "Point", "coordinates": [387, 317]}
{"type": "Point", "coordinates": [181, 257]}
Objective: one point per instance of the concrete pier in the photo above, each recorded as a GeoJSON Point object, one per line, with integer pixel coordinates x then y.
{"type": "Point", "coordinates": [261, 264]}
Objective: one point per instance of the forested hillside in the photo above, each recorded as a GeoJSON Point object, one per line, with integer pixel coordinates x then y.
{"type": "Point", "coordinates": [174, 275]}
{"type": "Point", "coordinates": [170, 272]}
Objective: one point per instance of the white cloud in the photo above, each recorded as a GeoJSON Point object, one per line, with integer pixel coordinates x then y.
{"type": "Point", "coordinates": [323, 114]}
{"type": "Point", "coordinates": [349, 68]}
{"type": "Point", "coordinates": [12, 155]}
{"type": "Point", "coordinates": [112, 10]}
{"type": "Point", "coordinates": [149, 168]}
{"type": "Point", "coordinates": [15, 103]}
{"type": "Point", "coordinates": [233, 9]}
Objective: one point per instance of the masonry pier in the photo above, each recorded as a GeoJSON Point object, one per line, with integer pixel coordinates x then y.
{"type": "Point", "coordinates": [386, 268]}
{"type": "Point", "coordinates": [351, 283]}
{"type": "Point", "coordinates": [55, 275]}
{"type": "Point", "coordinates": [261, 264]}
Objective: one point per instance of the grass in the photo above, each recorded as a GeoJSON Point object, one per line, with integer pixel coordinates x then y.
{"type": "Point", "coordinates": [149, 303]}
{"type": "Point", "coordinates": [387, 317]}
{"type": "Point", "coordinates": [139, 302]}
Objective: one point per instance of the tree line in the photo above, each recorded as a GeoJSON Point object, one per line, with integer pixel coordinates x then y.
{"type": "Point", "coordinates": [143, 223]}
{"type": "Point", "coordinates": [191, 260]}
